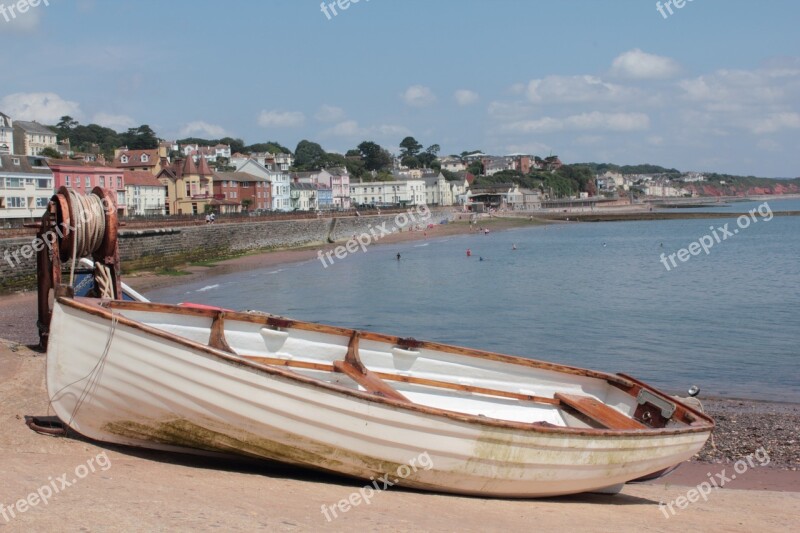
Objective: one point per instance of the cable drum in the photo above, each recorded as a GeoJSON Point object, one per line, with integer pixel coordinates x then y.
{"type": "Point", "coordinates": [88, 222]}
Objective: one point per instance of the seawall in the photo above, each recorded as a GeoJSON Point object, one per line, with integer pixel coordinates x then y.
{"type": "Point", "coordinates": [173, 246]}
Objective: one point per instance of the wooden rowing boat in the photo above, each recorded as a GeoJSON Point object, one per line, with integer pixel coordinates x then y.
{"type": "Point", "coordinates": [356, 403]}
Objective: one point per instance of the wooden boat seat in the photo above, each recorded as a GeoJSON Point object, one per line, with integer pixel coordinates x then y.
{"type": "Point", "coordinates": [598, 412]}
{"type": "Point", "coordinates": [367, 379]}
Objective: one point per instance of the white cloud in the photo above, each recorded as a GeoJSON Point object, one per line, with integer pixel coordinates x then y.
{"type": "Point", "coordinates": [418, 96]}
{"type": "Point", "coordinates": [776, 122]}
{"type": "Point", "coordinates": [596, 120]}
{"type": "Point", "coordinates": [739, 86]}
{"type": "Point", "coordinates": [329, 113]}
{"type": "Point", "coordinates": [351, 128]}
{"type": "Point", "coordinates": [281, 119]}
{"type": "Point", "coordinates": [465, 97]}
{"type": "Point", "coordinates": [640, 65]}
{"type": "Point", "coordinates": [115, 122]}
{"type": "Point", "coordinates": [46, 108]}
{"type": "Point", "coordinates": [348, 128]}
{"type": "Point", "coordinates": [576, 89]}
{"type": "Point", "coordinates": [203, 129]}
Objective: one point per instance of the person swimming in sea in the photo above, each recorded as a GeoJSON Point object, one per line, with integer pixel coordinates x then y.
{"type": "Point", "coordinates": [398, 256]}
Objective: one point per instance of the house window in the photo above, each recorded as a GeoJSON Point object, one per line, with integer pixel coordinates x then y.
{"type": "Point", "coordinates": [124, 159]}
{"type": "Point", "coordinates": [102, 181]}
{"type": "Point", "coordinates": [14, 183]}
{"type": "Point", "coordinates": [145, 158]}
{"type": "Point", "coordinates": [15, 161]}
{"type": "Point", "coordinates": [16, 202]}
{"type": "Point", "coordinates": [43, 183]}
{"type": "Point", "coordinates": [88, 182]}
{"type": "Point", "coordinates": [66, 181]}
{"type": "Point", "coordinates": [41, 201]}
{"type": "Point", "coordinates": [119, 182]}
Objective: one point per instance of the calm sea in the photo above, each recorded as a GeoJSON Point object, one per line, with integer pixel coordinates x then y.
{"type": "Point", "coordinates": [591, 295]}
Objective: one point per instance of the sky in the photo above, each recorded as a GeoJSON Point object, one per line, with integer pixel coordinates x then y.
{"type": "Point", "coordinates": [714, 86]}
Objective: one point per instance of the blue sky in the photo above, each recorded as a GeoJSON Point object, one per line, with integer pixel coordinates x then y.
{"type": "Point", "coordinates": [713, 87]}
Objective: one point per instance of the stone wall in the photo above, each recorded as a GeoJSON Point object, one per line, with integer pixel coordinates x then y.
{"type": "Point", "coordinates": [169, 247]}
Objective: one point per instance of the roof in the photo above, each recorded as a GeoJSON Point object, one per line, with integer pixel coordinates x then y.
{"type": "Point", "coordinates": [135, 158]}
{"type": "Point", "coordinates": [237, 176]}
{"type": "Point", "coordinates": [142, 178]}
{"type": "Point", "coordinates": [33, 127]}
{"type": "Point", "coordinates": [203, 168]}
{"type": "Point", "coordinates": [26, 165]}
{"type": "Point", "coordinates": [303, 187]}
{"type": "Point", "coordinates": [335, 171]}
{"type": "Point", "coordinates": [189, 168]}
{"type": "Point", "coordinates": [80, 163]}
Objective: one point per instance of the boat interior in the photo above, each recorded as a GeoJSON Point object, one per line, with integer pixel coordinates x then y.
{"type": "Point", "coordinates": [408, 371]}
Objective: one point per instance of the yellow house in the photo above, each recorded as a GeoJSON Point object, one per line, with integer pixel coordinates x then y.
{"type": "Point", "coordinates": [189, 186]}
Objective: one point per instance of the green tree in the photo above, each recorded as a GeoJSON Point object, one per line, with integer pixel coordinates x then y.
{"type": "Point", "coordinates": [50, 152]}
{"type": "Point", "coordinates": [141, 138]}
{"type": "Point", "coordinates": [375, 157]}
{"type": "Point", "coordinates": [476, 168]}
{"type": "Point", "coordinates": [410, 161]}
{"type": "Point", "coordinates": [65, 126]}
{"type": "Point", "coordinates": [409, 147]}
{"type": "Point", "coordinates": [246, 203]}
{"type": "Point", "coordinates": [307, 154]}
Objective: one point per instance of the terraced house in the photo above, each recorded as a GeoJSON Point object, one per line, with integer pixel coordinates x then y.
{"type": "Point", "coordinates": [144, 193]}
{"type": "Point", "coordinates": [239, 191]}
{"type": "Point", "coordinates": [30, 138]}
{"type": "Point", "coordinates": [84, 176]}
{"type": "Point", "coordinates": [26, 185]}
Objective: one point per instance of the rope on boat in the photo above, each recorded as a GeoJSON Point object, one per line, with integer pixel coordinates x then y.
{"type": "Point", "coordinates": [88, 219]}
{"type": "Point", "coordinates": [93, 376]}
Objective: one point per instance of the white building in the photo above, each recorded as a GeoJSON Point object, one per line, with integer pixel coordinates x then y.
{"type": "Point", "coordinates": [6, 135]}
{"type": "Point", "coordinates": [437, 190]}
{"type": "Point", "coordinates": [30, 138]}
{"type": "Point", "coordinates": [144, 194]}
{"type": "Point", "coordinates": [452, 164]}
{"type": "Point", "coordinates": [397, 192]}
{"type": "Point", "coordinates": [281, 191]}
{"type": "Point", "coordinates": [26, 185]}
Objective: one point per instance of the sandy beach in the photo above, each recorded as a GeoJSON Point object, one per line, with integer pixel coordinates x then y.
{"type": "Point", "coordinates": [249, 494]}
{"type": "Point", "coordinates": [131, 489]}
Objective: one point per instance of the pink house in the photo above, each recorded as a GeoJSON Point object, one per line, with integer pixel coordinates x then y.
{"type": "Point", "coordinates": [83, 177]}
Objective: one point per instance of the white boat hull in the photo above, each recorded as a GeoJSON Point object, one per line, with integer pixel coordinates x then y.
{"type": "Point", "coordinates": [117, 383]}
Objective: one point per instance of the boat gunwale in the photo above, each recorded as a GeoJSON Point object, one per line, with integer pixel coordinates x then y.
{"type": "Point", "coordinates": [104, 309]}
